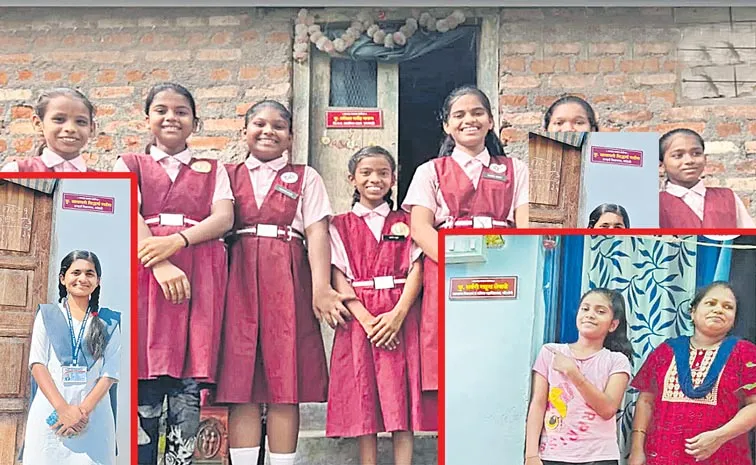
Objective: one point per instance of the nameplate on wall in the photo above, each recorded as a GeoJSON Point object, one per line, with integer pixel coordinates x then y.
{"type": "Point", "coordinates": [88, 203]}
{"type": "Point", "coordinates": [483, 288]}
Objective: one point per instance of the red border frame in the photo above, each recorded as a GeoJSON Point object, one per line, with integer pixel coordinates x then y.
{"type": "Point", "coordinates": [95, 175]}
{"type": "Point", "coordinates": [442, 233]}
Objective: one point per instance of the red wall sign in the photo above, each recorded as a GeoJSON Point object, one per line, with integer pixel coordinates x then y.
{"type": "Point", "coordinates": [354, 119]}
{"type": "Point", "coordinates": [616, 156]}
{"type": "Point", "coordinates": [493, 287]}
{"type": "Point", "coordinates": [88, 203]}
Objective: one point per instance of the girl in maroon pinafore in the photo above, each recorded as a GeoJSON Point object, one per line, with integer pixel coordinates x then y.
{"type": "Point", "coordinates": [685, 202]}
{"type": "Point", "coordinates": [272, 350]}
{"type": "Point", "coordinates": [186, 206]}
{"type": "Point", "coordinates": [471, 184]}
{"type": "Point", "coordinates": [375, 380]}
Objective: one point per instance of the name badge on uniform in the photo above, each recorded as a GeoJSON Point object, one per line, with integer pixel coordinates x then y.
{"type": "Point", "coordinates": [394, 237]}
{"type": "Point", "coordinates": [74, 374]}
{"type": "Point", "coordinates": [201, 166]}
{"type": "Point", "coordinates": [287, 192]}
{"type": "Point", "coordinates": [495, 177]}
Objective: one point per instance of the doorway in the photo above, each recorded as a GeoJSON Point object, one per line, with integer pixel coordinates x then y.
{"type": "Point", "coordinates": [424, 83]}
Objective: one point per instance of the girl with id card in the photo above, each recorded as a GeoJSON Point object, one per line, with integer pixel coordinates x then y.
{"type": "Point", "coordinates": [74, 360]}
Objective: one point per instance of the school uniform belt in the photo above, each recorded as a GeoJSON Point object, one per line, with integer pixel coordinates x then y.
{"type": "Point", "coordinates": [477, 222]}
{"type": "Point", "coordinates": [271, 230]}
{"type": "Point", "coordinates": [171, 219]}
{"type": "Point", "coordinates": [380, 282]}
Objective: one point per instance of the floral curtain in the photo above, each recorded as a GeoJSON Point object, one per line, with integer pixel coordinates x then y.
{"type": "Point", "coordinates": [657, 277]}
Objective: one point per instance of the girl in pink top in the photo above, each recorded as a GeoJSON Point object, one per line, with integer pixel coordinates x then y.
{"type": "Point", "coordinates": [472, 183]}
{"type": "Point", "coordinates": [578, 388]}
{"type": "Point", "coordinates": [279, 287]}
{"type": "Point", "coordinates": [65, 118]}
{"type": "Point", "coordinates": [375, 363]}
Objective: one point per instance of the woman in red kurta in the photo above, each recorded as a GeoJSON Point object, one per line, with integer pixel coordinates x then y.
{"type": "Point", "coordinates": [375, 363]}
{"type": "Point", "coordinates": [698, 394]}
{"type": "Point", "coordinates": [471, 184]}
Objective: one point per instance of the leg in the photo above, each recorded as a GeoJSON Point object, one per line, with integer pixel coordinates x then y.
{"type": "Point", "coordinates": [368, 449]}
{"type": "Point", "coordinates": [403, 442]}
{"type": "Point", "coordinates": [182, 422]}
{"type": "Point", "coordinates": [283, 430]}
{"type": "Point", "coordinates": [150, 394]}
{"type": "Point", "coordinates": [244, 433]}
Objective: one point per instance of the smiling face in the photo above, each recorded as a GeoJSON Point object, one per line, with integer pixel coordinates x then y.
{"type": "Point", "coordinates": [171, 121]}
{"type": "Point", "coordinates": [468, 123]}
{"type": "Point", "coordinates": [80, 279]}
{"type": "Point", "coordinates": [66, 125]}
{"type": "Point", "coordinates": [714, 315]}
{"type": "Point", "coordinates": [684, 160]}
{"type": "Point", "coordinates": [373, 178]}
{"type": "Point", "coordinates": [268, 134]}
{"type": "Point", "coordinates": [595, 318]}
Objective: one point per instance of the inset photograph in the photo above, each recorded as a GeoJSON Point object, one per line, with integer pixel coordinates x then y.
{"type": "Point", "coordinates": [65, 275]}
{"type": "Point", "coordinates": [598, 349]}
{"type": "Point", "coordinates": [593, 179]}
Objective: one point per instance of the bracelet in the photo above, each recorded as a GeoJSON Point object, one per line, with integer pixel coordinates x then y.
{"type": "Point", "coordinates": [642, 431]}
{"type": "Point", "coordinates": [186, 241]}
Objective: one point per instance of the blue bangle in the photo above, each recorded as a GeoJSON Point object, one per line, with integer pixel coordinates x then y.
{"type": "Point", "coordinates": [52, 419]}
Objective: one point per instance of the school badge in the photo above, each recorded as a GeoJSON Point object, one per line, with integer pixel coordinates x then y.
{"type": "Point", "coordinates": [500, 169]}
{"type": "Point", "coordinates": [289, 177]}
{"type": "Point", "coordinates": [400, 229]}
{"type": "Point", "coordinates": [201, 166]}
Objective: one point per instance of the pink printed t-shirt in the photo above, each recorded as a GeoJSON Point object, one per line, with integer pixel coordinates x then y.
{"type": "Point", "coordinates": [424, 190]}
{"type": "Point", "coordinates": [573, 431]}
{"type": "Point", "coordinates": [375, 219]}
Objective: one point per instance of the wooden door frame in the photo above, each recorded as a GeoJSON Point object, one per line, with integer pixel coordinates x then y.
{"type": "Point", "coordinates": [487, 72]}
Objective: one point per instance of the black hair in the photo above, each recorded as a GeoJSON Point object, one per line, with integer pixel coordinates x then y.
{"type": "Point", "coordinates": [571, 99]}
{"type": "Point", "coordinates": [701, 293]}
{"type": "Point", "coordinates": [40, 108]}
{"type": "Point", "coordinates": [666, 139]}
{"type": "Point", "coordinates": [173, 87]}
{"type": "Point", "coordinates": [617, 340]}
{"type": "Point", "coordinates": [371, 151]}
{"type": "Point", "coordinates": [608, 208]}
{"type": "Point", "coordinates": [96, 335]}
{"type": "Point", "coordinates": [491, 141]}
{"type": "Point", "coordinates": [275, 105]}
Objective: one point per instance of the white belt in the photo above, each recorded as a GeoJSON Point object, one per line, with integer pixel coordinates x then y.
{"type": "Point", "coordinates": [171, 219]}
{"type": "Point", "coordinates": [477, 222]}
{"type": "Point", "coordinates": [380, 282]}
{"type": "Point", "coordinates": [271, 230]}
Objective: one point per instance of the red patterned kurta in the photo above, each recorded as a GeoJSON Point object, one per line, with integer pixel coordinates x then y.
{"type": "Point", "coordinates": [676, 417]}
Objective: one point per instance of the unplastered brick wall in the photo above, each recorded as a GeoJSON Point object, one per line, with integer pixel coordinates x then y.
{"type": "Point", "coordinates": [229, 58]}
{"type": "Point", "coordinates": [630, 64]}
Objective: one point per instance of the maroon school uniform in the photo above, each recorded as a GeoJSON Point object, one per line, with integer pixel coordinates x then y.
{"type": "Point", "coordinates": [272, 345]}
{"type": "Point", "coordinates": [493, 199]}
{"type": "Point", "coordinates": [720, 210]}
{"type": "Point", "coordinates": [374, 390]}
{"type": "Point", "coordinates": [181, 340]}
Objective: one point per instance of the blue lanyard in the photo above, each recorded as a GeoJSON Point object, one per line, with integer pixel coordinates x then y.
{"type": "Point", "coordinates": [76, 346]}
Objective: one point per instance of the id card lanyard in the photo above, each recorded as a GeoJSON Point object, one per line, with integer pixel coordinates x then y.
{"type": "Point", "coordinates": [76, 343]}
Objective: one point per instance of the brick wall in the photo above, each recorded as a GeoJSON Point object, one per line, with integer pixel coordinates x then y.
{"type": "Point", "coordinates": [229, 58]}
{"type": "Point", "coordinates": [628, 64]}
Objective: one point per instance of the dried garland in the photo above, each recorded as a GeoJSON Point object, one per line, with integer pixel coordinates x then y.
{"type": "Point", "coordinates": [307, 32]}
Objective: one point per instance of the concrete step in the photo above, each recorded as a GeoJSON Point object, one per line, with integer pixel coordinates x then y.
{"type": "Point", "coordinates": [312, 417]}
{"type": "Point", "coordinates": [313, 448]}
